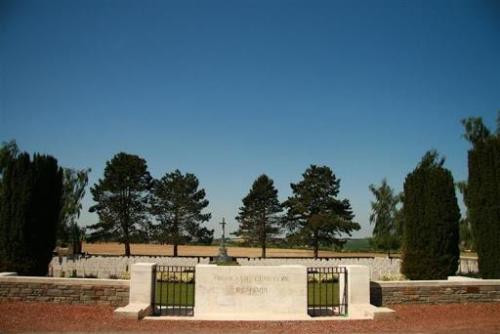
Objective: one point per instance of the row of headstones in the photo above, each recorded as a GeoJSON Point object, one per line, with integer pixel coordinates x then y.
{"type": "Point", "coordinates": [110, 267]}
{"type": "Point", "coordinates": [380, 268]}
{"type": "Point", "coordinates": [118, 267]}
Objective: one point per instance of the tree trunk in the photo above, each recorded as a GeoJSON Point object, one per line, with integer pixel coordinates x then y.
{"type": "Point", "coordinates": [316, 245]}
{"type": "Point", "coordinates": [176, 233]}
{"type": "Point", "coordinates": [127, 248]}
{"type": "Point", "coordinates": [263, 234]}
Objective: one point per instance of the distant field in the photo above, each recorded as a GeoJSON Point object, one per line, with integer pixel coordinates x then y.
{"type": "Point", "coordinates": [114, 248]}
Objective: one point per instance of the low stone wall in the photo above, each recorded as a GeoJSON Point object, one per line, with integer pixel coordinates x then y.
{"type": "Point", "coordinates": [64, 290]}
{"type": "Point", "coordinates": [434, 292]}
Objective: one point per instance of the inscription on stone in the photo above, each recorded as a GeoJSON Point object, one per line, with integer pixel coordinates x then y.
{"type": "Point", "coordinates": [243, 283]}
{"type": "Point", "coordinates": [243, 292]}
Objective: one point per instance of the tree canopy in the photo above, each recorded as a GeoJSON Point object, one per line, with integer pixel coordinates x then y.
{"type": "Point", "coordinates": [30, 204]}
{"type": "Point", "coordinates": [431, 216]}
{"type": "Point", "coordinates": [122, 200]}
{"type": "Point", "coordinates": [259, 217]}
{"type": "Point", "coordinates": [384, 216]}
{"type": "Point", "coordinates": [482, 194]}
{"type": "Point", "coordinates": [178, 204]}
{"type": "Point", "coordinates": [74, 184]}
{"type": "Point", "coordinates": [315, 215]}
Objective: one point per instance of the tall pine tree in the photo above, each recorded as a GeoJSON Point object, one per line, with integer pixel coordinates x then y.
{"type": "Point", "coordinates": [122, 199]}
{"type": "Point", "coordinates": [315, 215]}
{"type": "Point", "coordinates": [482, 194]}
{"type": "Point", "coordinates": [178, 205]}
{"type": "Point", "coordinates": [431, 216]}
{"type": "Point", "coordinates": [259, 216]}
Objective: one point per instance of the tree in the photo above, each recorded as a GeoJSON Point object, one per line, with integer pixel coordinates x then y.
{"type": "Point", "coordinates": [29, 213]}
{"type": "Point", "coordinates": [122, 198]}
{"type": "Point", "coordinates": [178, 205]}
{"type": "Point", "coordinates": [8, 151]}
{"type": "Point", "coordinates": [431, 215]}
{"type": "Point", "coordinates": [482, 194]}
{"type": "Point", "coordinates": [258, 217]}
{"type": "Point", "coordinates": [385, 217]}
{"type": "Point", "coordinates": [74, 183]}
{"type": "Point", "coordinates": [315, 215]}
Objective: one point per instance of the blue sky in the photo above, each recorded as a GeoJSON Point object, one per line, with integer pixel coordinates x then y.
{"type": "Point", "coordinates": [232, 89]}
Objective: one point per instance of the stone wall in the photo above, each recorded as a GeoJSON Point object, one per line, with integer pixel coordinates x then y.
{"type": "Point", "coordinates": [64, 290]}
{"type": "Point", "coordinates": [434, 292]}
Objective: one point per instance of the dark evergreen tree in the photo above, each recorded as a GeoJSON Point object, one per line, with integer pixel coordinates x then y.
{"type": "Point", "coordinates": [482, 194]}
{"type": "Point", "coordinates": [122, 198]}
{"type": "Point", "coordinates": [385, 217]}
{"type": "Point", "coordinates": [178, 206]}
{"type": "Point", "coordinates": [259, 216]}
{"type": "Point", "coordinates": [431, 216]}
{"type": "Point", "coordinates": [315, 215]}
{"type": "Point", "coordinates": [30, 204]}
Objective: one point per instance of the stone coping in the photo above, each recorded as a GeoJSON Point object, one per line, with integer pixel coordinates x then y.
{"type": "Point", "coordinates": [64, 281]}
{"type": "Point", "coordinates": [436, 283]}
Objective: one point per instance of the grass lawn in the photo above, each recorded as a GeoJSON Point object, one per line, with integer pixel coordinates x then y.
{"type": "Point", "coordinates": [174, 293]}
{"type": "Point", "coordinates": [320, 294]}
{"type": "Point", "coordinates": [323, 294]}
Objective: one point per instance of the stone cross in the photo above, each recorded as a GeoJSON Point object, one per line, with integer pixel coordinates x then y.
{"type": "Point", "coordinates": [222, 249]}
{"type": "Point", "coordinates": [223, 223]}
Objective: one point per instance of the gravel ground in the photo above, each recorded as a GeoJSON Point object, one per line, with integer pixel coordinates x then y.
{"type": "Point", "coordinates": [453, 318]}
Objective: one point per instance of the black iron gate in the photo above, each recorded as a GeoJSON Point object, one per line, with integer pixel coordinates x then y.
{"type": "Point", "coordinates": [174, 291]}
{"type": "Point", "coordinates": [326, 291]}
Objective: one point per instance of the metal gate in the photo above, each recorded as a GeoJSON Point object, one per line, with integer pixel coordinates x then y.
{"type": "Point", "coordinates": [326, 291]}
{"type": "Point", "coordinates": [174, 291]}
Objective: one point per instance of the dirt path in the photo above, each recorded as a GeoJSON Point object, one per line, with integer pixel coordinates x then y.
{"type": "Point", "coordinates": [453, 318]}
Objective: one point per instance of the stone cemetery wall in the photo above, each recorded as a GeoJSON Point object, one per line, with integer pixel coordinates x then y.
{"type": "Point", "coordinates": [117, 267]}
{"type": "Point", "coordinates": [64, 290]}
{"type": "Point", "coordinates": [434, 292]}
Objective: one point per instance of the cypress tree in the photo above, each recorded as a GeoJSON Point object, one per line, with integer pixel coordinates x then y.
{"type": "Point", "coordinates": [482, 194]}
{"type": "Point", "coordinates": [30, 206]}
{"type": "Point", "coordinates": [431, 216]}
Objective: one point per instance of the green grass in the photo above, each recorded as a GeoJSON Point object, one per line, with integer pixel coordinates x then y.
{"type": "Point", "coordinates": [174, 293]}
{"type": "Point", "coordinates": [358, 245]}
{"type": "Point", "coordinates": [323, 294]}
{"type": "Point", "coordinates": [183, 294]}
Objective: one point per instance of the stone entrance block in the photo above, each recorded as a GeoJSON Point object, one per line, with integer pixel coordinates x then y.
{"type": "Point", "coordinates": [141, 292]}
{"type": "Point", "coordinates": [251, 293]}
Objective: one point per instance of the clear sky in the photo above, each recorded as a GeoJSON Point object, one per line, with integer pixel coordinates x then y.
{"type": "Point", "coordinates": [232, 89]}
